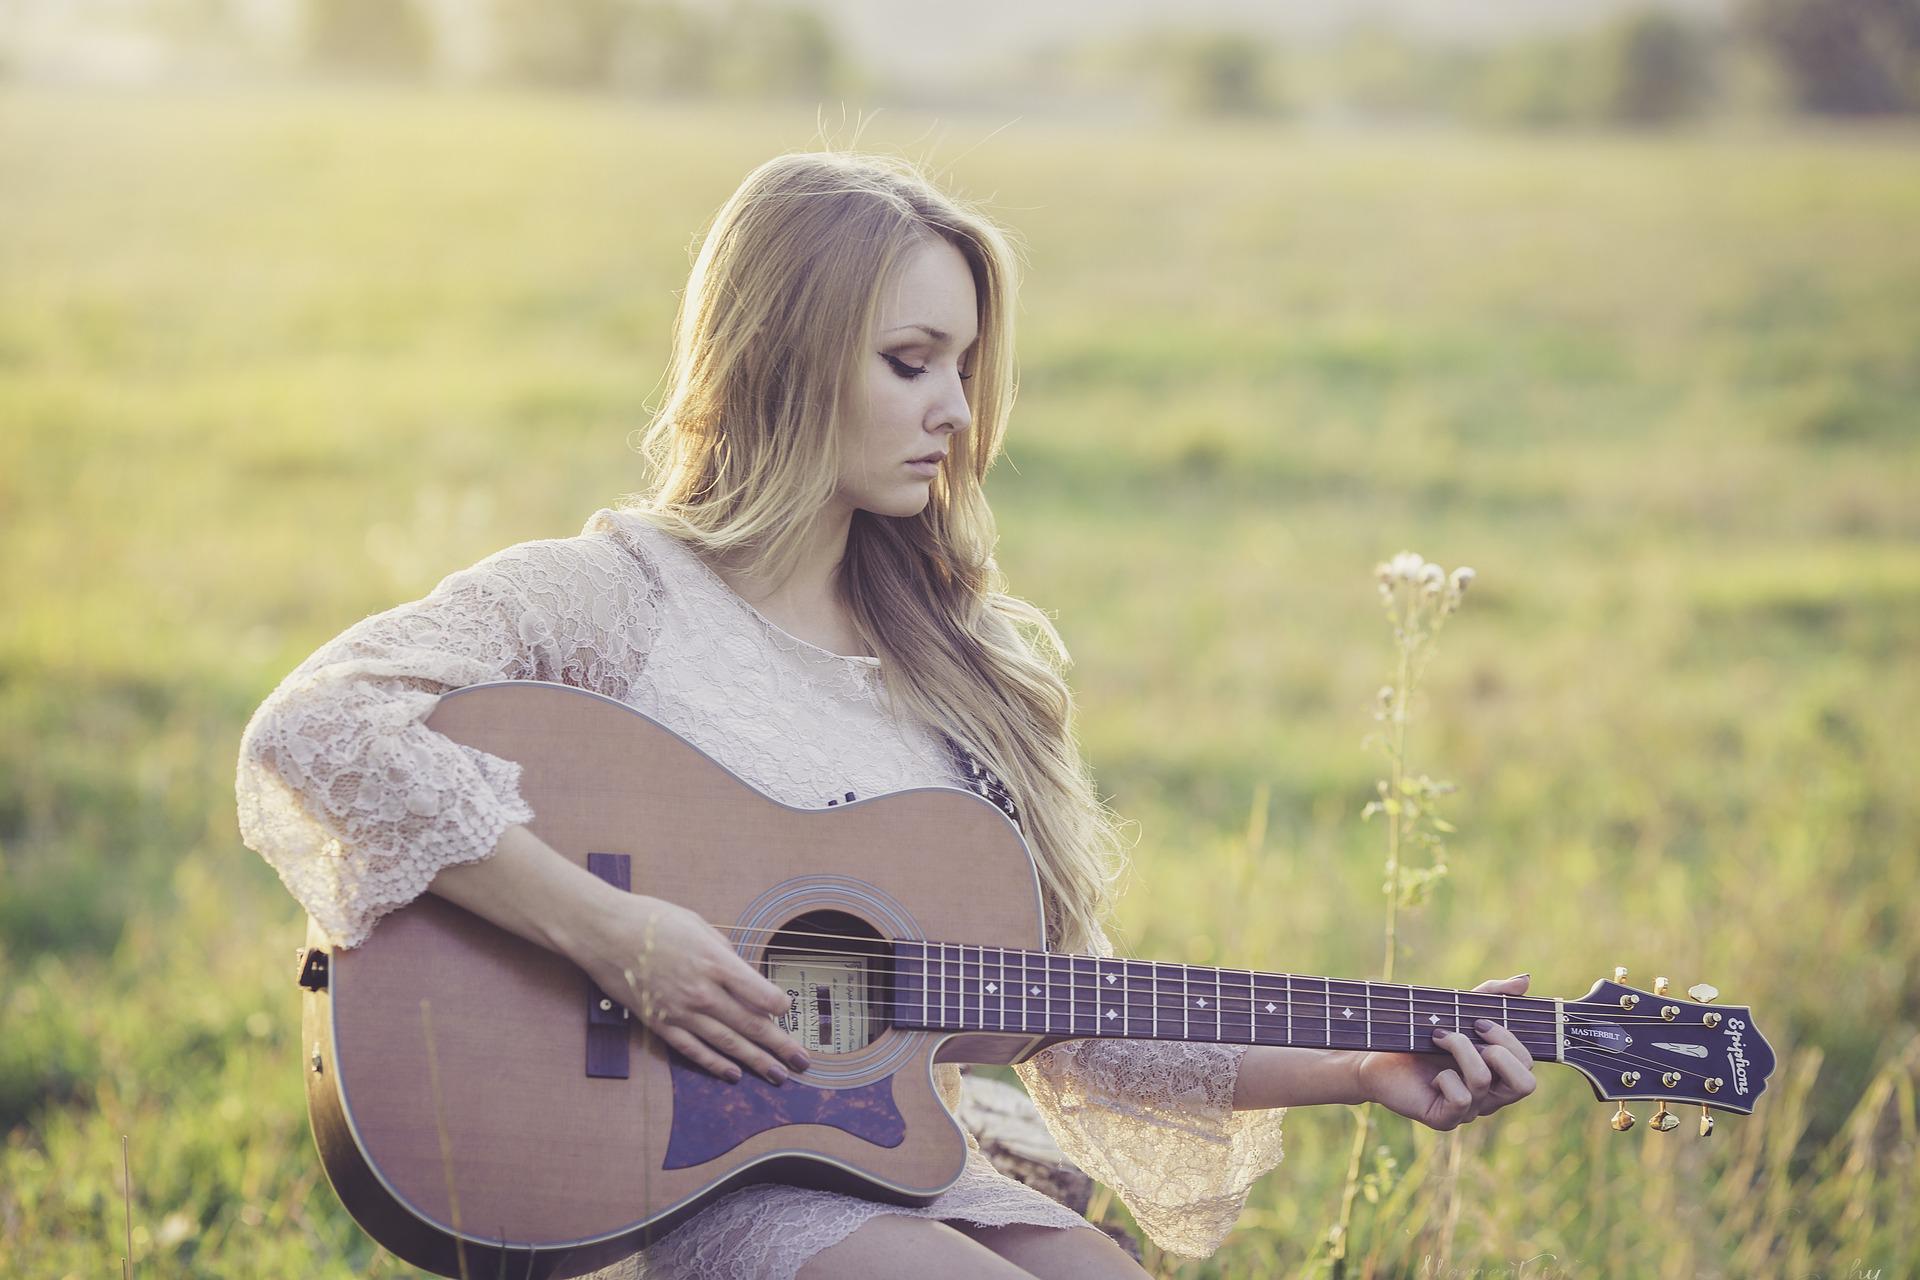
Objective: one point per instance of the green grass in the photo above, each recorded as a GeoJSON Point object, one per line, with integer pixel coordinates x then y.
{"type": "Point", "coordinates": [270, 363]}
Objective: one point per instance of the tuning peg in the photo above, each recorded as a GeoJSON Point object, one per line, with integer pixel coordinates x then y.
{"type": "Point", "coordinates": [1622, 1119]}
{"type": "Point", "coordinates": [1619, 973]}
{"type": "Point", "coordinates": [1663, 1120]}
{"type": "Point", "coordinates": [1659, 986]}
{"type": "Point", "coordinates": [1706, 1120]}
{"type": "Point", "coordinates": [1702, 992]}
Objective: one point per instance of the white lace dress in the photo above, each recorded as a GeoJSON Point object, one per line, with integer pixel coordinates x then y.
{"type": "Point", "coordinates": [357, 805]}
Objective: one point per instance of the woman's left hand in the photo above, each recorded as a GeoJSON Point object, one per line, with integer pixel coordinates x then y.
{"type": "Point", "coordinates": [1441, 1092]}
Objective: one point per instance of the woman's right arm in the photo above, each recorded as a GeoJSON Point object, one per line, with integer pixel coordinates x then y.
{"type": "Point", "coordinates": [360, 807]}
{"type": "Point", "coordinates": [698, 995]}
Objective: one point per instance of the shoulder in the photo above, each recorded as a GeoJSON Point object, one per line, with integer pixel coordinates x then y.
{"type": "Point", "coordinates": [613, 554]}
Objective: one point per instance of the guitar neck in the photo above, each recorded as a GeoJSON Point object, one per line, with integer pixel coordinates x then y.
{"type": "Point", "coordinates": [962, 987]}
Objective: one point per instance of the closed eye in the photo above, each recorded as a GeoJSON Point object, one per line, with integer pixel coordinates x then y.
{"type": "Point", "coordinates": [911, 371]}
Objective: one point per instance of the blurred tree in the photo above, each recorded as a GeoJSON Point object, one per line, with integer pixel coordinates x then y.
{"type": "Point", "coordinates": [661, 48]}
{"type": "Point", "coordinates": [559, 42]}
{"type": "Point", "coordinates": [780, 51]}
{"type": "Point", "coordinates": [1219, 73]}
{"type": "Point", "coordinates": [1842, 57]}
{"type": "Point", "coordinates": [1655, 68]}
{"type": "Point", "coordinates": [382, 37]}
{"type": "Point", "coordinates": [1535, 84]}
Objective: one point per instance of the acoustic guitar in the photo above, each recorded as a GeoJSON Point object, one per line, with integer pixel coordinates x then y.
{"type": "Point", "coordinates": [481, 1109]}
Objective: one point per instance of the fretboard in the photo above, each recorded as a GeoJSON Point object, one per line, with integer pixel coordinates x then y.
{"type": "Point", "coordinates": [961, 987]}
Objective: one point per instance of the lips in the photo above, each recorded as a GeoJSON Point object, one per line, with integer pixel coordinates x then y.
{"type": "Point", "coordinates": [932, 457]}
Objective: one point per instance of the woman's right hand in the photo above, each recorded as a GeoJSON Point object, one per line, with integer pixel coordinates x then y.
{"type": "Point", "coordinates": [681, 979]}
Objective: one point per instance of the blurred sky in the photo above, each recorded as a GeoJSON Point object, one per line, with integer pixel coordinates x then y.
{"type": "Point", "coordinates": [103, 40]}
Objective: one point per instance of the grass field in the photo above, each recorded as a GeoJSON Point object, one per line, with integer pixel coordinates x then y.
{"type": "Point", "coordinates": [271, 363]}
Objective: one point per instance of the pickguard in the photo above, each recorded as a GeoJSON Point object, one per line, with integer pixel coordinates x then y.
{"type": "Point", "coordinates": [712, 1116]}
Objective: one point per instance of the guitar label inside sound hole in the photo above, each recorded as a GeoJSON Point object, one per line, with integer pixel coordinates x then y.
{"type": "Point", "coordinates": [836, 972]}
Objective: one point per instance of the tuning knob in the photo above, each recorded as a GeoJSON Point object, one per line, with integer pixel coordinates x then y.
{"type": "Point", "coordinates": [1702, 992]}
{"type": "Point", "coordinates": [1659, 986]}
{"type": "Point", "coordinates": [1619, 973]}
{"type": "Point", "coordinates": [1663, 1120]}
{"type": "Point", "coordinates": [1706, 1120]}
{"type": "Point", "coordinates": [1622, 1119]}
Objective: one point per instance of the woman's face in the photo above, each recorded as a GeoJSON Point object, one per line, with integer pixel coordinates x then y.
{"type": "Point", "coordinates": [915, 383]}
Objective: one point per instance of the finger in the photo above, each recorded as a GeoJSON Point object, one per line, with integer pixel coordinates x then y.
{"type": "Point", "coordinates": [1512, 1075]}
{"type": "Point", "coordinates": [1456, 1093]}
{"type": "Point", "coordinates": [1473, 1069]}
{"type": "Point", "coordinates": [736, 1046]}
{"type": "Point", "coordinates": [1494, 1033]}
{"type": "Point", "coordinates": [753, 989]}
{"type": "Point", "coordinates": [700, 1055]}
{"type": "Point", "coordinates": [1514, 986]}
{"type": "Point", "coordinates": [764, 1031]}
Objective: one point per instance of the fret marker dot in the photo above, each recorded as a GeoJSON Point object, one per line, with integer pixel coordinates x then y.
{"type": "Point", "coordinates": [992, 987]}
{"type": "Point", "coordinates": [1346, 1013]}
{"type": "Point", "coordinates": [1434, 1018]}
{"type": "Point", "coordinates": [1033, 991]}
{"type": "Point", "coordinates": [1111, 979]}
{"type": "Point", "coordinates": [1202, 1002]}
{"type": "Point", "coordinates": [1111, 1015]}
{"type": "Point", "coordinates": [1271, 1006]}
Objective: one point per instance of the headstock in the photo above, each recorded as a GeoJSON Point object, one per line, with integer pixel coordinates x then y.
{"type": "Point", "coordinates": [1648, 1044]}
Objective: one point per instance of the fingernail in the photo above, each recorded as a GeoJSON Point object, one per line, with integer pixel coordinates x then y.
{"type": "Point", "coordinates": [733, 1075]}
{"type": "Point", "coordinates": [1484, 1024]}
{"type": "Point", "coordinates": [777, 1073]}
{"type": "Point", "coordinates": [1516, 977]}
{"type": "Point", "coordinates": [1439, 1033]}
{"type": "Point", "coordinates": [799, 1061]}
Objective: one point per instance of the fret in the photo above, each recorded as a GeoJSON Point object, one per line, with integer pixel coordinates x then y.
{"type": "Point", "coordinates": [1236, 1007]}
{"type": "Point", "coordinates": [1153, 995]}
{"type": "Point", "coordinates": [971, 981]}
{"type": "Point", "coordinates": [953, 989]}
{"type": "Point", "coordinates": [1210, 1009]}
{"type": "Point", "coordinates": [1083, 977]}
{"type": "Point", "coordinates": [1186, 1002]}
{"type": "Point", "coordinates": [1272, 1011]}
{"type": "Point", "coordinates": [1169, 1016]}
{"type": "Point", "coordinates": [1412, 1031]}
{"type": "Point", "coordinates": [903, 984]}
{"type": "Point", "coordinates": [1028, 993]}
{"type": "Point", "coordinates": [1346, 1014]}
{"type": "Point", "coordinates": [1110, 997]}
{"type": "Point", "coordinates": [1137, 978]}
{"type": "Point", "coordinates": [999, 981]}
{"type": "Point", "coordinates": [1038, 994]}
{"type": "Point", "coordinates": [1309, 1006]}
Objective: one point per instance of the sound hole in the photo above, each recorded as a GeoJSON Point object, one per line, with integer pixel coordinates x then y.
{"type": "Point", "coordinates": [835, 970]}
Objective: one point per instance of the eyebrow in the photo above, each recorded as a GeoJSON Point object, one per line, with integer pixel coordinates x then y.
{"type": "Point", "coordinates": [938, 335]}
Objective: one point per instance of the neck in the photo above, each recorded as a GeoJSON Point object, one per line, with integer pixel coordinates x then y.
{"type": "Point", "coordinates": [807, 592]}
{"type": "Point", "coordinates": [962, 987]}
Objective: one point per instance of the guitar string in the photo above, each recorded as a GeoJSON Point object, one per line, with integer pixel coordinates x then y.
{"type": "Point", "coordinates": [1541, 1020]}
{"type": "Point", "coordinates": [1083, 980]}
{"type": "Point", "coordinates": [1540, 1023]}
{"type": "Point", "coordinates": [1612, 1011]}
{"type": "Point", "coordinates": [1541, 1028]}
{"type": "Point", "coordinates": [981, 1027]}
{"type": "Point", "coordinates": [1609, 1010]}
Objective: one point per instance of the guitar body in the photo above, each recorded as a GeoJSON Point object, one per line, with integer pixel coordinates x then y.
{"type": "Point", "coordinates": [449, 1082]}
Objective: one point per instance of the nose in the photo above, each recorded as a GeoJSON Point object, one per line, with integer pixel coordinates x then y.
{"type": "Point", "coordinates": [953, 414]}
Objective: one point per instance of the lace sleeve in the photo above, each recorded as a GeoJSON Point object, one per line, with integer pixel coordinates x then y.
{"type": "Point", "coordinates": [1154, 1120]}
{"type": "Point", "coordinates": [351, 798]}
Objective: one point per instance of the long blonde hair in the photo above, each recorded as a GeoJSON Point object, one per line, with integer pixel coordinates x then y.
{"type": "Point", "coordinates": [744, 455]}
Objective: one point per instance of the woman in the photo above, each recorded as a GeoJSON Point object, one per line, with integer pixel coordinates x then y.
{"type": "Point", "coordinates": [807, 592]}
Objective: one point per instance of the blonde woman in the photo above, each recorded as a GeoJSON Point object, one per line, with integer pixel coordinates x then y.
{"type": "Point", "coordinates": [807, 592]}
